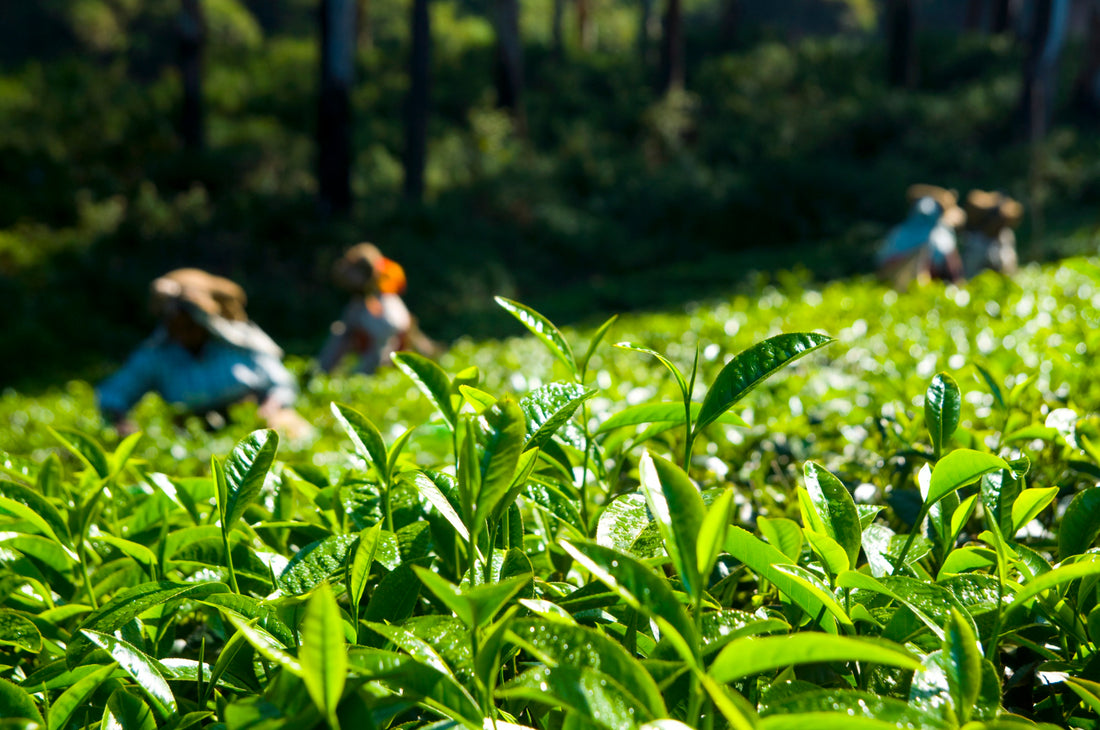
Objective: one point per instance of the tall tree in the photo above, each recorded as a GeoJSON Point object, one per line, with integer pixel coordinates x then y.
{"type": "Point", "coordinates": [191, 37]}
{"type": "Point", "coordinates": [1004, 15]}
{"type": "Point", "coordinates": [729, 21]}
{"type": "Point", "coordinates": [417, 101]}
{"type": "Point", "coordinates": [1086, 87]}
{"type": "Point", "coordinates": [338, 44]}
{"type": "Point", "coordinates": [586, 34]}
{"type": "Point", "coordinates": [509, 61]}
{"type": "Point", "coordinates": [672, 48]}
{"type": "Point", "coordinates": [901, 43]}
{"type": "Point", "coordinates": [557, 34]}
{"type": "Point", "coordinates": [1045, 40]}
{"type": "Point", "coordinates": [972, 21]}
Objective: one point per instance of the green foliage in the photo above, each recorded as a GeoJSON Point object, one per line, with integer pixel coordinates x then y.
{"type": "Point", "coordinates": [880, 538]}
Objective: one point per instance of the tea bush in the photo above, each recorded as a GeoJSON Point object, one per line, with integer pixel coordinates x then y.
{"type": "Point", "coordinates": [632, 524]}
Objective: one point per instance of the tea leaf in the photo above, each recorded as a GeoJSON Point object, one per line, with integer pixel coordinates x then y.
{"type": "Point", "coordinates": [681, 383]}
{"type": "Point", "coordinates": [783, 534]}
{"type": "Point", "coordinates": [958, 469]}
{"type": "Point", "coordinates": [641, 589]}
{"type": "Point", "coordinates": [551, 407]}
{"type": "Point", "coordinates": [1029, 504]}
{"type": "Point", "coordinates": [671, 414]}
{"type": "Point", "coordinates": [755, 655]}
{"type": "Point", "coordinates": [142, 668]}
{"type": "Point", "coordinates": [1080, 523]}
{"type": "Point", "coordinates": [1087, 690]}
{"type": "Point", "coordinates": [126, 711]}
{"type": "Point", "coordinates": [266, 616]}
{"type": "Point", "coordinates": [15, 703]}
{"type": "Point", "coordinates": [594, 696]}
{"type": "Point", "coordinates": [394, 598]}
{"type": "Point", "coordinates": [580, 646]}
{"type": "Point", "coordinates": [678, 509]}
{"type": "Point", "coordinates": [19, 631]}
{"type": "Point", "coordinates": [40, 506]}
{"type": "Point", "coordinates": [597, 337]}
{"type": "Point", "coordinates": [963, 663]}
{"type": "Point", "coordinates": [323, 655]}
{"type": "Point", "coordinates": [264, 643]}
{"type": "Point", "coordinates": [504, 444]}
{"type": "Point", "coordinates": [315, 563]}
{"type": "Point", "coordinates": [430, 379]}
{"type": "Point", "coordinates": [750, 368]}
{"type": "Point", "coordinates": [942, 405]}
{"type": "Point", "coordinates": [847, 704]}
{"type": "Point", "coordinates": [911, 600]}
{"type": "Point", "coordinates": [763, 559]}
{"type": "Point", "coordinates": [543, 329]}
{"type": "Point", "coordinates": [829, 550]}
{"type": "Point", "coordinates": [475, 606]}
{"type": "Point", "coordinates": [359, 569]}
{"type": "Point", "coordinates": [62, 708]}
{"type": "Point", "coordinates": [28, 514]}
{"type": "Point", "coordinates": [143, 555]}
{"type": "Point", "coordinates": [245, 470]}
{"type": "Point", "coordinates": [1047, 581]}
{"type": "Point", "coordinates": [431, 492]}
{"type": "Point", "coordinates": [365, 436]}
{"type": "Point", "coordinates": [133, 602]}
{"type": "Point", "coordinates": [823, 721]}
{"type": "Point", "coordinates": [836, 508]}
{"type": "Point", "coordinates": [712, 533]}
{"type": "Point", "coordinates": [85, 448]}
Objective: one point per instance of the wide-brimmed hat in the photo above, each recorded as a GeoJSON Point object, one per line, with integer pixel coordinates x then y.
{"type": "Point", "coordinates": [197, 289]}
{"type": "Point", "coordinates": [990, 211]}
{"type": "Point", "coordinates": [953, 215]}
{"type": "Point", "coordinates": [363, 268]}
{"type": "Point", "coordinates": [215, 303]}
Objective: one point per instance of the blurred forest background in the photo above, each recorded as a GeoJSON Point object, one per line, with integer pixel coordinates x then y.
{"type": "Point", "coordinates": [583, 156]}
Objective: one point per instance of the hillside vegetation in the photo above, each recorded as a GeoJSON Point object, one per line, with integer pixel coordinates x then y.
{"type": "Point", "coordinates": [888, 518]}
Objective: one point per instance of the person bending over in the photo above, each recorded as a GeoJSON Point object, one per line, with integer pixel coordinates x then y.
{"type": "Point", "coordinates": [204, 355]}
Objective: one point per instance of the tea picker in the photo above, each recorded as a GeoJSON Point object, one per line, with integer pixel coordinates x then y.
{"type": "Point", "coordinates": [204, 355]}
{"type": "Point", "coordinates": [989, 240]}
{"type": "Point", "coordinates": [924, 245]}
{"type": "Point", "coordinates": [375, 323]}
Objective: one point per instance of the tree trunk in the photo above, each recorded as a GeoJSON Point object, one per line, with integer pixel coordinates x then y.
{"type": "Point", "coordinates": [728, 24]}
{"type": "Point", "coordinates": [557, 33]}
{"type": "Point", "coordinates": [901, 43]}
{"type": "Point", "coordinates": [366, 26]}
{"type": "Point", "coordinates": [191, 30]}
{"type": "Point", "coordinates": [1005, 13]}
{"type": "Point", "coordinates": [972, 21]}
{"type": "Point", "coordinates": [672, 48]}
{"type": "Point", "coordinates": [338, 36]}
{"type": "Point", "coordinates": [417, 102]}
{"type": "Point", "coordinates": [1086, 88]}
{"type": "Point", "coordinates": [584, 25]}
{"type": "Point", "coordinates": [645, 32]}
{"type": "Point", "coordinates": [509, 62]}
{"type": "Point", "coordinates": [1045, 41]}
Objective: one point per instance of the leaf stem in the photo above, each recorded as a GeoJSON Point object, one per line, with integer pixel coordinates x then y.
{"type": "Point", "coordinates": [229, 562]}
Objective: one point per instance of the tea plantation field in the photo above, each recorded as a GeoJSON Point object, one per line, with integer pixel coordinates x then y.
{"type": "Point", "coordinates": [804, 506]}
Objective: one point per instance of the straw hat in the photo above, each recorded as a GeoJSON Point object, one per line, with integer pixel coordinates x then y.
{"type": "Point", "coordinates": [989, 212]}
{"type": "Point", "coordinates": [363, 268]}
{"type": "Point", "coordinates": [215, 303]}
{"type": "Point", "coordinates": [953, 215]}
{"type": "Point", "coordinates": [197, 289]}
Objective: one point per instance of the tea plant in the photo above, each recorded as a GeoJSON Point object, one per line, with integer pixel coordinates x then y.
{"type": "Point", "coordinates": [598, 550]}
